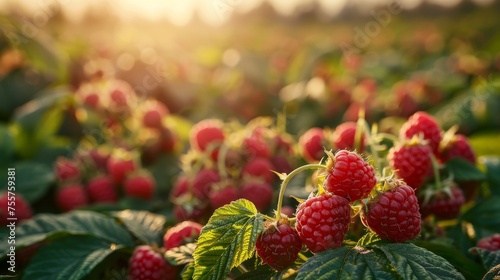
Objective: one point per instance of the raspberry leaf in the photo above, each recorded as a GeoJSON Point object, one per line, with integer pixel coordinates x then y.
{"type": "Point", "coordinates": [489, 258]}
{"type": "Point", "coordinates": [73, 257]}
{"type": "Point", "coordinates": [33, 180]}
{"type": "Point", "coordinates": [227, 240]}
{"type": "Point", "coordinates": [492, 273]}
{"type": "Point", "coordinates": [145, 225]}
{"type": "Point", "coordinates": [462, 170]}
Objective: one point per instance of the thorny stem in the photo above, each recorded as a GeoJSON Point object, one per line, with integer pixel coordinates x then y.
{"type": "Point", "coordinates": [289, 177]}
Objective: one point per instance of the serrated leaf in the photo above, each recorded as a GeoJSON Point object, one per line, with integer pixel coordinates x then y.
{"type": "Point", "coordinates": [45, 226]}
{"type": "Point", "coordinates": [469, 268]}
{"type": "Point", "coordinates": [412, 262]}
{"type": "Point", "coordinates": [188, 271]}
{"type": "Point", "coordinates": [33, 179]}
{"type": "Point", "coordinates": [489, 258]}
{"type": "Point", "coordinates": [493, 273]}
{"type": "Point", "coordinates": [71, 258]}
{"type": "Point", "coordinates": [181, 255]}
{"type": "Point", "coordinates": [484, 216]}
{"type": "Point", "coordinates": [227, 240]}
{"type": "Point", "coordinates": [463, 170]}
{"type": "Point", "coordinates": [260, 273]}
{"type": "Point", "coordinates": [145, 225]}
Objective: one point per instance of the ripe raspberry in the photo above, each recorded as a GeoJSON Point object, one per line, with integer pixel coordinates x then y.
{"type": "Point", "coordinates": [312, 144]}
{"type": "Point", "coordinates": [221, 197]}
{"type": "Point", "coordinates": [261, 194]}
{"type": "Point", "coordinates": [349, 176]}
{"type": "Point", "coordinates": [92, 100]}
{"type": "Point", "coordinates": [207, 134]}
{"type": "Point", "coordinates": [442, 205]}
{"type": "Point", "coordinates": [99, 159]}
{"type": "Point", "coordinates": [255, 147]}
{"type": "Point", "coordinates": [279, 245]}
{"type": "Point", "coordinates": [190, 212]}
{"type": "Point", "coordinates": [323, 221]}
{"type": "Point", "coordinates": [412, 162]}
{"type": "Point", "coordinates": [490, 243]}
{"type": "Point", "coordinates": [21, 206]}
{"type": "Point", "coordinates": [71, 196]}
{"type": "Point", "coordinates": [259, 168]}
{"type": "Point", "coordinates": [458, 147]}
{"type": "Point", "coordinates": [66, 170]}
{"type": "Point", "coordinates": [153, 115]}
{"type": "Point", "coordinates": [102, 189]}
{"type": "Point", "coordinates": [140, 185]}
{"type": "Point", "coordinates": [344, 137]}
{"type": "Point", "coordinates": [119, 167]}
{"type": "Point", "coordinates": [204, 180]}
{"type": "Point", "coordinates": [282, 163]}
{"type": "Point", "coordinates": [167, 140]}
{"type": "Point", "coordinates": [181, 234]}
{"type": "Point", "coordinates": [425, 124]}
{"type": "Point", "coordinates": [146, 264]}
{"type": "Point", "coordinates": [393, 215]}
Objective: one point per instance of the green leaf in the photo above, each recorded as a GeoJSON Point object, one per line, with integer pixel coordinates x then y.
{"type": "Point", "coordinates": [463, 170]}
{"type": "Point", "coordinates": [7, 147]}
{"type": "Point", "coordinates": [188, 271]}
{"type": "Point", "coordinates": [145, 225]}
{"type": "Point", "coordinates": [492, 165]}
{"type": "Point", "coordinates": [489, 258]}
{"type": "Point", "coordinates": [412, 262]}
{"type": "Point", "coordinates": [492, 273]}
{"type": "Point", "coordinates": [45, 226]}
{"type": "Point", "coordinates": [260, 273]}
{"type": "Point", "coordinates": [33, 179]}
{"type": "Point", "coordinates": [227, 240]}
{"type": "Point", "coordinates": [71, 258]}
{"type": "Point", "coordinates": [484, 216]}
{"type": "Point", "coordinates": [181, 255]}
{"type": "Point", "coordinates": [469, 268]}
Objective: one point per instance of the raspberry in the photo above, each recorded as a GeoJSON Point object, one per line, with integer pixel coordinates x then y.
{"type": "Point", "coordinates": [146, 264]}
{"type": "Point", "coordinates": [323, 221]}
{"type": "Point", "coordinates": [425, 124]}
{"type": "Point", "coordinates": [102, 189]}
{"type": "Point", "coordinates": [490, 243]}
{"type": "Point", "coordinates": [312, 144]}
{"type": "Point", "coordinates": [261, 194]}
{"type": "Point", "coordinates": [442, 205]}
{"type": "Point", "coordinates": [279, 245]}
{"type": "Point", "coordinates": [412, 162]}
{"type": "Point", "coordinates": [223, 196]}
{"type": "Point", "coordinates": [92, 100]}
{"type": "Point", "coordinates": [66, 170]}
{"type": "Point", "coordinates": [154, 114]}
{"type": "Point", "coordinates": [207, 134]}
{"type": "Point", "coordinates": [393, 214]}
{"type": "Point", "coordinates": [21, 206]}
{"type": "Point", "coordinates": [99, 158]}
{"type": "Point", "coordinates": [71, 196]}
{"type": "Point", "coordinates": [119, 167]}
{"type": "Point", "coordinates": [167, 140]}
{"type": "Point", "coordinates": [344, 137]}
{"type": "Point", "coordinates": [140, 186]}
{"type": "Point", "coordinates": [185, 212]}
{"type": "Point", "coordinates": [181, 234]}
{"type": "Point", "coordinates": [255, 147]}
{"type": "Point", "coordinates": [349, 176]}
{"type": "Point", "coordinates": [260, 168]}
{"type": "Point", "coordinates": [458, 147]}
{"type": "Point", "coordinates": [203, 181]}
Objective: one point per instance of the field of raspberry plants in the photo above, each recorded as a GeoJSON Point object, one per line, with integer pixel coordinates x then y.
{"type": "Point", "coordinates": [366, 146]}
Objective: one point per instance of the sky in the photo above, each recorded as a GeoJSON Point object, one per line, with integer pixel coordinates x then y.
{"type": "Point", "coordinates": [180, 12]}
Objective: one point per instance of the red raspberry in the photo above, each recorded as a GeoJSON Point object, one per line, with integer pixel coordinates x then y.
{"type": "Point", "coordinates": [207, 134]}
{"type": "Point", "coordinates": [442, 205]}
{"type": "Point", "coordinates": [146, 264]}
{"type": "Point", "coordinates": [393, 215]}
{"type": "Point", "coordinates": [344, 137]}
{"type": "Point", "coordinates": [490, 243]}
{"type": "Point", "coordinates": [153, 115]}
{"type": "Point", "coordinates": [255, 147]}
{"type": "Point", "coordinates": [21, 206]}
{"type": "Point", "coordinates": [223, 196]}
{"type": "Point", "coordinates": [102, 189]}
{"type": "Point", "coordinates": [204, 180]}
{"type": "Point", "coordinates": [140, 185]}
{"type": "Point", "coordinates": [349, 176]}
{"type": "Point", "coordinates": [259, 168]}
{"type": "Point", "coordinates": [412, 162]}
{"type": "Point", "coordinates": [167, 140]}
{"type": "Point", "coordinates": [66, 170]}
{"type": "Point", "coordinates": [119, 167]}
{"type": "Point", "coordinates": [70, 197]}
{"type": "Point", "coordinates": [312, 144]}
{"type": "Point", "coordinates": [261, 194]}
{"type": "Point", "coordinates": [99, 159]}
{"type": "Point", "coordinates": [323, 221]}
{"type": "Point", "coordinates": [425, 124]}
{"type": "Point", "coordinates": [279, 245]}
{"type": "Point", "coordinates": [181, 234]}
{"type": "Point", "coordinates": [189, 212]}
{"type": "Point", "coordinates": [458, 147]}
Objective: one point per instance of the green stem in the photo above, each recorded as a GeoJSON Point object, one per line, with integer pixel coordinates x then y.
{"type": "Point", "coordinates": [287, 180]}
{"type": "Point", "coordinates": [435, 168]}
{"type": "Point", "coordinates": [376, 159]}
